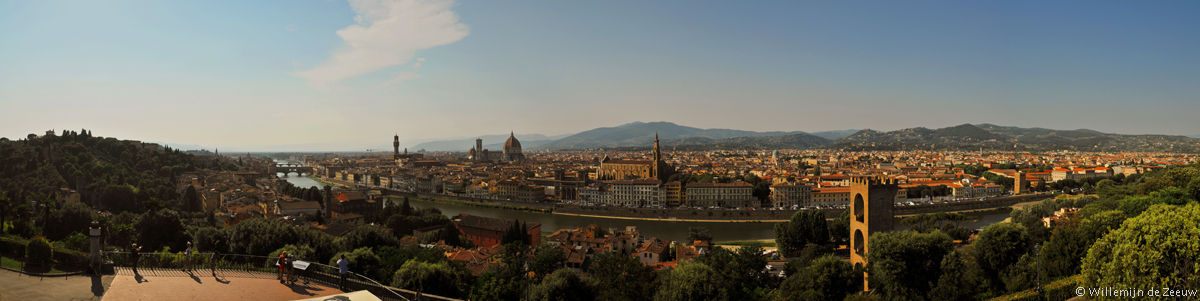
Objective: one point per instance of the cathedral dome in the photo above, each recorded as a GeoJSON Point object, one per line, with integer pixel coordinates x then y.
{"type": "Point", "coordinates": [512, 145]}
{"type": "Point", "coordinates": [471, 152]}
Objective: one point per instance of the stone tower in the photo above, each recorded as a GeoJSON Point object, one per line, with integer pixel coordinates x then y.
{"type": "Point", "coordinates": [396, 147]}
{"type": "Point", "coordinates": [871, 209]}
{"type": "Point", "coordinates": [478, 149]}
{"type": "Point", "coordinates": [328, 202]}
{"type": "Point", "coordinates": [1020, 184]}
{"type": "Point", "coordinates": [654, 172]}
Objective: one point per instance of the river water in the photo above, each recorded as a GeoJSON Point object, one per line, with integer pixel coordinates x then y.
{"type": "Point", "coordinates": [302, 181]}
{"type": "Point", "coordinates": [669, 230]}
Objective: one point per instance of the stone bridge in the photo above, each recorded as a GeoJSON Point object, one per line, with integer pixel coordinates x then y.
{"type": "Point", "coordinates": [289, 168]}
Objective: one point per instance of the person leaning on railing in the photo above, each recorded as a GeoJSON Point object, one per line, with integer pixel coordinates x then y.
{"type": "Point", "coordinates": [134, 253]}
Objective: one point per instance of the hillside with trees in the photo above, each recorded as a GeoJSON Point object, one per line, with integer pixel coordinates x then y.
{"type": "Point", "coordinates": [993, 137]}
{"type": "Point", "coordinates": [37, 172]}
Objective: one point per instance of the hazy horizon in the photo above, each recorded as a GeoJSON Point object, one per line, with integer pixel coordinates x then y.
{"type": "Point", "coordinates": [315, 75]}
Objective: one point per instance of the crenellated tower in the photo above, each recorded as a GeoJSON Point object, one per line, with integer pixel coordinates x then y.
{"type": "Point", "coordinates": [872, 207]}
{"type": "Point", "coordinates": [654, 172]}
{"type": "Point", "coordinates": [396, 147]}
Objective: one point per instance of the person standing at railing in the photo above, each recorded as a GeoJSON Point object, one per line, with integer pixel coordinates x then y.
{"type": "Point", "coordinates": [342, 269]}
{"type": "Point", "coordinates": [212, 262]}
{"type": "Point", "coordinates": [134, 251]}
{"type": "Point", "coordinates": [187, 258]}
{"type": "Point", "coordinates": [291, 272]}
{"type": "Point", "coordinates": [282, 260]}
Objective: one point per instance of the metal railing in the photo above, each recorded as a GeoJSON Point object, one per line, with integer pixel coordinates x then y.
{"type": "Point", "coordinates": [240, 265]}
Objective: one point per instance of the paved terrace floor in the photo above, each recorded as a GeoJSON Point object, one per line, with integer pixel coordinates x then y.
{"type": "Point", "coordinates": [158, 284]}
{"type": "Point", "coordinates": [17, 286]}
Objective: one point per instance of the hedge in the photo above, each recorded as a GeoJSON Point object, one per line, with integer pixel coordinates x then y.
{"type": "Point", "coordinates": [16, 248]}
{"type": "Point", "coordinates": [1058, 290]}
{"type": "Point", "coordinates": [13, 246]}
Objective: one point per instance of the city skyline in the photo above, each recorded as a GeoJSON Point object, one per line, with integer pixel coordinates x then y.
{"type": "Point", "coordinates": [248, 76]}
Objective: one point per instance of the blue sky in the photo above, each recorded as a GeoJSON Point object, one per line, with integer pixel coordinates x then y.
{"type": "Point", "coordinates": [322, 75]}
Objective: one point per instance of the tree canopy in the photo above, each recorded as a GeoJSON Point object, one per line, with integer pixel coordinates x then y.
{"type": "Point", "coordinates": [998, 247]}
{"type": "Point", "coordinates": [1156, 249]}
{"type": "Point", "coordinates": [904, 265]}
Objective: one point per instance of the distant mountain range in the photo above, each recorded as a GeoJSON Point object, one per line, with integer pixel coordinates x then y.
{"type": "Point", "coordinates": [672, 136]}
{"type": "Point", "coordinates": [834, 135]}
{"type": "Point", "coordinates": [642, 133]}
{"type": "Point", "coordinates": [957, 134]}
{"type": "Point", "coordinates": [989, 136]}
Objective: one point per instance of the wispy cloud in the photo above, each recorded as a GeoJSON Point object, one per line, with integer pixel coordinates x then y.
{"type": "Point", "coordinates": [388, 33]}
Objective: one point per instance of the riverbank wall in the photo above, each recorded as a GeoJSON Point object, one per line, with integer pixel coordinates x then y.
{"type": "Point", "coordinates": [440, 196]}
{"type": "Point", "coordinates": [682, 214]}
{"type": "Point", "coordinates": [775, 215]}
{"type": "Point", "coordinates": [970, 206]}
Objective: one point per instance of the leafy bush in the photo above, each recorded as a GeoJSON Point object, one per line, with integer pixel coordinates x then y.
{"type": "Point", "coordinates": [362, 260]}
{"type": "Point", "coordinates": [39, 251]}
{"type": "Point", "coordinates": [25, 229]}
{"type": "Point", "coordinates": [77, 241]}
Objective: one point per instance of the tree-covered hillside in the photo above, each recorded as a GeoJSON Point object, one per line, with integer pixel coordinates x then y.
{"type": "Point", "coordinates": [108, 173]}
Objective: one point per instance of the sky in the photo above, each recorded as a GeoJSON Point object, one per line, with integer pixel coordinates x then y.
{"type": "Point", "coordinates": [337, 75]}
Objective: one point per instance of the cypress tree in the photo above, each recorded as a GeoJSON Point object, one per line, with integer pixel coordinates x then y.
{"type": "Point", "coordinates": [525, 234]}
{"type": "Point", "coordinates": [405, 209]}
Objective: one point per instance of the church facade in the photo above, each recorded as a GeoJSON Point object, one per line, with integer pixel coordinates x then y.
{"type": "Point", "coordinates": [654, 168]}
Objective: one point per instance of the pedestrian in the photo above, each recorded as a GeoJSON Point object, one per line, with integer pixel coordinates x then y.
{"type": "Point", "coordinates": [212, 262]}
{"type": "Point", "coordinates": [135, 252]}
{"type": "Point", "coordinates": [280, 262]}
{"type": "Point", "coordinates": [342, 270]}
{"type": "Point", "coordinates": [187, 258]}
{"type": "Point", "coordinates": [290, 271]}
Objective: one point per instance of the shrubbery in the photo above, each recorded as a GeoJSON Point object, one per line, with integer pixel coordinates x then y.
{"type": "Point", "coordinates": [39, 251]}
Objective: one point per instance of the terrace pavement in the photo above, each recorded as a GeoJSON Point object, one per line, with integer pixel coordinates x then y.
{"type": "Point", "coordinates": [158, 284]}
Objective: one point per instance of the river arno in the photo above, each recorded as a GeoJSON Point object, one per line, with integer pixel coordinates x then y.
{"type": "Point", "coordinates": [669, 230]}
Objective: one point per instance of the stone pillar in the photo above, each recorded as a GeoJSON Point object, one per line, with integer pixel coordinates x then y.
{"type": "Point", "coordinates": [94, 233]}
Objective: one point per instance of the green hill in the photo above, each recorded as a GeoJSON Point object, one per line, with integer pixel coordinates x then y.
{"type": "Point", "coordinates": [109, 174]}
